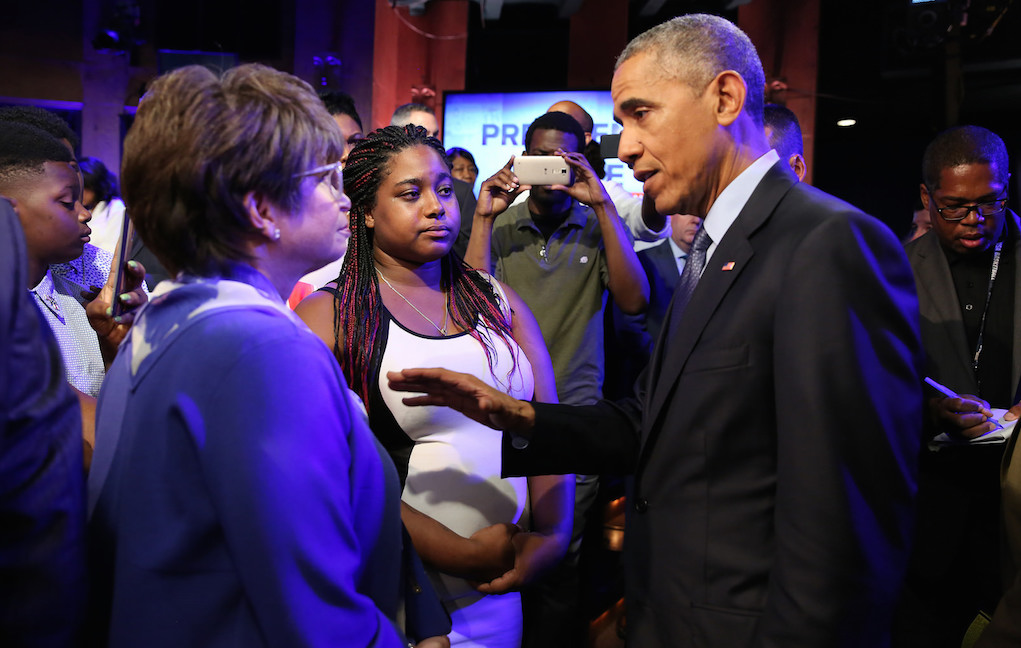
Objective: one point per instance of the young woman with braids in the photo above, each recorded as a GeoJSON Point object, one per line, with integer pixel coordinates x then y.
{"type": "Point", "coordinates": [405, 299]}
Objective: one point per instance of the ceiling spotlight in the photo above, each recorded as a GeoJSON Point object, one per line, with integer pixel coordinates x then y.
{"type": "Point", "coordinates": [846, 123]}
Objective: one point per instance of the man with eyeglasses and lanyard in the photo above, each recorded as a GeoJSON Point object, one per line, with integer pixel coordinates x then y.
{"type": "Point", "coordinates": [966, 273]}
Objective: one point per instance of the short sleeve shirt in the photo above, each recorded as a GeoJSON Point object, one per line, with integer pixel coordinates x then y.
{"type": "Point", "coordinates": [564, 281]}
{"type": "Point", "coordinates": [59, 298]}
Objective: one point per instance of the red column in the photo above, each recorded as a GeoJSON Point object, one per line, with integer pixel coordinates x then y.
{"type": "Point", "coordinates": [409, 52]}
{"type": "Point", "coordinates": [786, 34]}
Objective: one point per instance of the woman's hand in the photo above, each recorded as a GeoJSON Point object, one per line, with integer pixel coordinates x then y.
{"type": "Point", "coordinates": [486, 555]}
{"type": "Point", "coordinates": [494, 549]}
{"type": "Point", "coordinates": [532, 557]}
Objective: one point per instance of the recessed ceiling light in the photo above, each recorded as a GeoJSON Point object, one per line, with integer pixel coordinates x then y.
{"type": "Point", "coordinates": [846, 123]}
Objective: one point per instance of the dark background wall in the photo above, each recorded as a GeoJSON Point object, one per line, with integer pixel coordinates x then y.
{"type": "Point", "coordinates": [902, 71]}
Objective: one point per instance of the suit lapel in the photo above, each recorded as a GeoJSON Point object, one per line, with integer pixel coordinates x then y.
{"type": "Point", "coordinates": [663, 257]}
{"type": "Point", "coordinates": [938, 286]}
{"type": "Point", "coordinates": [721, 272]}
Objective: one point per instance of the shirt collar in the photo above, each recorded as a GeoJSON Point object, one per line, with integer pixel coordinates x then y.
{"type": "Point", "coordinates": [576, 217]}
{"type": "Point", "coordinates": [47, 293]}
{"type": "Point", "coordinates": [733, 198]}
{"type": "Point", "coordinates": [678, 252]}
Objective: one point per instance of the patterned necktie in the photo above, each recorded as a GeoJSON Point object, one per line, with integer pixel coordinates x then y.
{"type": "Point", "coordinates": [692, 271]}
{"type": "Point", "coordinates": [682, 293]}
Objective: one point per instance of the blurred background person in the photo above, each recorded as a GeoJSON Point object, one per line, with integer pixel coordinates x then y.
{"type": "Point", "coordinates": [101, 197]}
{"type": "Point", "coordinates": [630, 338]}
{"type": "Point", "coordinates": [419, 114]}
{"type": "Point", "coordinates": [238, 496]}
{"type": "Point", "coordinates": [784, 134]}
{"type": "Point", "coordinates": [405, 299]}
{"type": "Point", "coordinates": [341, 107]}
{"type": "Point", "coordinates": [921, 223]}
{"type": "Point", "coordinates": [462, 165]}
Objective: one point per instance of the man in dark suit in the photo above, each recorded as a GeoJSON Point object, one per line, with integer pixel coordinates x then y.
{"type": "Point", "coordinates": [663, 264]}
{"type": "Point", "coordinates": [773, 441]}
{"type": "Point", "coordinates": [966, 269]}
{"type": "Point", "coordinates": [630, 338]}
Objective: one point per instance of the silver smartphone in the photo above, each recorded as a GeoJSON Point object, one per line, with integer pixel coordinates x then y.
{"type": "Point", "coordinates": [542, 170]}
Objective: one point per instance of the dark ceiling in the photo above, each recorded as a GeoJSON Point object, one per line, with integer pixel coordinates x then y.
{"type": "Point", "coordinates": [905, 72]}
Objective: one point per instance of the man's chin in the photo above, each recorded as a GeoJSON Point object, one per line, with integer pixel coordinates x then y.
{"type": "Point", "coordinates": [667, 205]}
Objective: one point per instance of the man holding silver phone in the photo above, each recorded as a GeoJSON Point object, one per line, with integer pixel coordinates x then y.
{"type": "Point", "coordinates": [561, 250]}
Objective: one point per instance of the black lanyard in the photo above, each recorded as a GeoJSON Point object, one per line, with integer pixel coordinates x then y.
{"type": "Point", "coordinates": [985, 309]}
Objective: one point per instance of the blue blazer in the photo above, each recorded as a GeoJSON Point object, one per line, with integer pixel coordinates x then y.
{"type": "Point", "coordinates": [237, 496]}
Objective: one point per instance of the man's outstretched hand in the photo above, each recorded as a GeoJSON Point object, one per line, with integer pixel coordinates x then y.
{"type": "Point", "coordinates": [466, 394]}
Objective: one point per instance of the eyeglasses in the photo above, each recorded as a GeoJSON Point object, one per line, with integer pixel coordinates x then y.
{"type": "Point", "coordinates": [983, 209]}
{"type": "Point", "coordinates": [333, 175]}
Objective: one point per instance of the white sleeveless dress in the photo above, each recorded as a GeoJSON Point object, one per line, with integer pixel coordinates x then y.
{"type": "Point", "coordinates": [453, 470]}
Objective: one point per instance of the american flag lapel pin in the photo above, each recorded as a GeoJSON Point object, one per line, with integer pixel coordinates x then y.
{"type": "Point", "coordinates": [729, 265]}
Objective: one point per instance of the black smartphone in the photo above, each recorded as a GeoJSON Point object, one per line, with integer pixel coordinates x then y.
{"type": "Point", "coordinates": [120, 278]}
{"type": "Point", "coordinates": [608, 145]}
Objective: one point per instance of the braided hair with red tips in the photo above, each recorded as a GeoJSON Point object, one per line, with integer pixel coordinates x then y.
{"type": "Point", "coordinates": [357, 304]}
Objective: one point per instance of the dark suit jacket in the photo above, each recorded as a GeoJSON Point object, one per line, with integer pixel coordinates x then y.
{"type": "Point", "coordinates": [630, 338]}
{"type": "Point", "coordinates": [661, 269]}
{"type": "Point", "coordinates": [774, 443]}
{"type": "Point", "coordinates": [466, 203]}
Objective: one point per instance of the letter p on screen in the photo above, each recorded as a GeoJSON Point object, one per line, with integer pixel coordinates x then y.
{"type": "Point", "coordinates": [489, 131]}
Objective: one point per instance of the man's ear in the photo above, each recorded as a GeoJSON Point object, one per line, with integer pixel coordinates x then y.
{"type": "Point", "coordinates": [924, 194]}
{"type": "Point", "coordinates": [798, 166]}
{"type": "Point", "coordinates": [730, 92]}
{"type": "Point", "coordinates": [263, 215]}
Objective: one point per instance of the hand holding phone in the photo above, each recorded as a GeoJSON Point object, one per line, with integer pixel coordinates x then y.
{"type": "Point", "coordinates": [111, 310]}
{"type": "Point", "coordinates": [543, 170]}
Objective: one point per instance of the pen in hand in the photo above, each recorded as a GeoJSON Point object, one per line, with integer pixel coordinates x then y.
{"type": "Point", "coordinates": [949, 393]}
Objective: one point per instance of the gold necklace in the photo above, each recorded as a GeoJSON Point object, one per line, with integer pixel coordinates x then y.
{"type": "Point", "coordinates": [443, 330]}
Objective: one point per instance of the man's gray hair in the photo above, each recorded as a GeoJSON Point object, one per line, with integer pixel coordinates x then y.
{"type": "Point", "coordinates": [694, 48]}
